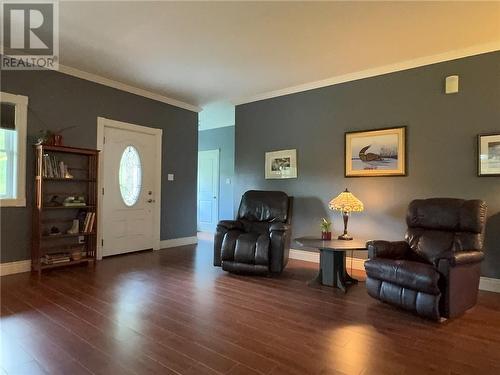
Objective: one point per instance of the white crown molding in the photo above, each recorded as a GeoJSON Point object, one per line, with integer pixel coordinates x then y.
{"type": "Point", "coordinates": [124, 87]}
{"type": "Point", "coordinates": [391, 68]}
{"type": "Point", "coordinates": [486, 283]}
{"type": "Point", "coordinates": [174, 242]}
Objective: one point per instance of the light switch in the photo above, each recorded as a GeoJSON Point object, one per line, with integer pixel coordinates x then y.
{"type": "Point", "coordinates": [451, 85]}
{"type": "Point", "coordinates": [228, 181]}
{"type": "Point", "coordinates": [170, 177]}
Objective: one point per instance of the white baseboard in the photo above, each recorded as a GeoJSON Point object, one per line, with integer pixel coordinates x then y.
{"type": "Point", "coordinates": [15, 267]}
{"type": "Point", "coordinates": [486, 283]}
{"type": "Point", "coordinates": [308, 256]}
{"type": "Point", "coordinates": [489, 284]}
{"type": "Point", "coordinates": [178, 242]}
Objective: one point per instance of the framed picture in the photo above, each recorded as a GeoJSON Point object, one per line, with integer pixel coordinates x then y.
{"type": "Point", "coordinates": [281, 164]}
{"type": "Point", "coordinates": [488, 146]}
{"type": "Point", "coordinates": [378, 152]}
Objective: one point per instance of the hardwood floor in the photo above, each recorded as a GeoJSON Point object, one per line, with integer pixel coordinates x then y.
{"type": "Point", "coordinates": [172, 312]}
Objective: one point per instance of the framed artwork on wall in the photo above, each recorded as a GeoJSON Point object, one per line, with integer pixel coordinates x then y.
{"type": "Point", "coordinates": [488, 160]}
{"type": "Point", "coordinates": [281, 164]}
{"type": "Point", "coordinates": [378, 152]}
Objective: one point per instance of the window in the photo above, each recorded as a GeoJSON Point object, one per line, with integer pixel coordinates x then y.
{"type": "Point", "coordinates": [13, 150]}
{"type": "Point", "coordinates": [130, 176]}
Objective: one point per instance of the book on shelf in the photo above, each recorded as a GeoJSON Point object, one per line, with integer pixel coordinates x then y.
{"type": "Point", "coordinates": [74, 204]}
{"type": "Point", "coordinates": [53, 168]}
{"type": "Point", "coordinates": [88, 224]}
{"type": "Point", "coordinates": [55, 258]}
{"type": "Point", "coordinates": [91, 224]}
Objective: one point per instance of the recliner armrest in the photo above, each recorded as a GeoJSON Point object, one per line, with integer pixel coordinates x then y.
{"type": "Point", "coordinates": [230, 224]}
{"type": "Point", "coordinates": [388, 249]}
{"type": "Point", "coordinates": [279, 227]}
{"type": "Point", "coordinates": [466, 257]}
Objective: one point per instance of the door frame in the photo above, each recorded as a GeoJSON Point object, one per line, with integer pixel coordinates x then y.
{"type": "Point", "coordinates": [217, 189]}
{"type": "Point", "coordinates": [157, 133]}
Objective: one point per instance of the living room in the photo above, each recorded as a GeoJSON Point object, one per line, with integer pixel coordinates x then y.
{"type": "Point", "coordinates": [250, 188]}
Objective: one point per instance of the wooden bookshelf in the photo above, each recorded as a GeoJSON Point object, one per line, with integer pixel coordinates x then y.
{"type": "Point", "coordinates": [73, 172]}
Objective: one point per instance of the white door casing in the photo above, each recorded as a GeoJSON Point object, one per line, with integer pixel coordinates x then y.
{"type": "Point", "coordinates": [123, 227]}
{"type": "Point", "coordinates": [208, 190]}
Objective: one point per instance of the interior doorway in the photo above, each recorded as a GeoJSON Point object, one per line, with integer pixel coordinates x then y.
{"type": "Point", "coordinates": [208, 190]}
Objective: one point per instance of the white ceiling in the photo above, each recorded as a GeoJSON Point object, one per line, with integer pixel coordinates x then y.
{"type": "Point", "coordinates": [208, 52]}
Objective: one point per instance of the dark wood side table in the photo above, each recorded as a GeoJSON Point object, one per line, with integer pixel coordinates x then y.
{"type": "Point", "coordinates": [332, 267]}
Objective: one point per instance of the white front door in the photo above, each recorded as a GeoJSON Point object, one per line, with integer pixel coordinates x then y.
{"type": "Point", "coordinates": [208, 190]}
{"type": "Point", "coordinates": [129, 195]}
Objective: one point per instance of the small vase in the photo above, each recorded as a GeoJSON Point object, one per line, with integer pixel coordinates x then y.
{"type": "Point", "coordinates": [75, 228]}
{"type": "Point", "coordinates": [326, 236]}
{"type": "Point", "coordinates": [58, 139]}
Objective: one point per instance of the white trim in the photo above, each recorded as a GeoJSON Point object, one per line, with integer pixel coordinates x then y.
{"type": "Point", "coordinates": [489, 284]}
{"type": "Point", "coordinates": [174, 242]}
{"type": "Point", "coordinates": [15, 267]}
{"type": "Point", "coordinates": [124, 87]}
{"type": "Point", "coordinates": [21, 124]}
{"type": "Point", "coordinates": [404, 65]}
{"type": "Point", "coordinates": [485, 283]}
{"type": "Point", "coordinates": [101, 124]}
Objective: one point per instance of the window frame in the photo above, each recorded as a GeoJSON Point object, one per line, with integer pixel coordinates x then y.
{"type": "Point", "coordinates": [21, 125]}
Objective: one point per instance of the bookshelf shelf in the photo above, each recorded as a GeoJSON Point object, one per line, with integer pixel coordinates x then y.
{"type": "Point", "coordinates": [67, 207]}
{"type": "Point", "coordinates": [67, 235]}
{"type": "Point", "coordinates": [53, 163]}
{"type": "Point", "coordinates": [62, 179]}
{"type": "Point", "coordinates": [44, 266]}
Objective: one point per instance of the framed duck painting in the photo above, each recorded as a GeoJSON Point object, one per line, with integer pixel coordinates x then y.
{"type": "Point", "coordinates": [488, 146]}
{"type": "Point", "coordinates": [378, 152]}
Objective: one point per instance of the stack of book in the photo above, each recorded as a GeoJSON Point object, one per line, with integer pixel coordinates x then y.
{"type": "Point", "coordinates": [53, 168]}
{"type": "Point", "coordinates": [55, 258]}
{"type": "Point", "coordinates": [88, 223]}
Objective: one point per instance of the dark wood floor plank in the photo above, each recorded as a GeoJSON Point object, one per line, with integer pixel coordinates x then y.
{"type": "Point", "coordinates": [172, 312]}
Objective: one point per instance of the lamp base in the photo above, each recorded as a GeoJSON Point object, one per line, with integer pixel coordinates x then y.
{"type": "Point", "coordinates": [345, 237]}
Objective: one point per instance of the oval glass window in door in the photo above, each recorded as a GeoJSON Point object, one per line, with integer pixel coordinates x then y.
{"type": "Point", "coordinates": [130, 176]}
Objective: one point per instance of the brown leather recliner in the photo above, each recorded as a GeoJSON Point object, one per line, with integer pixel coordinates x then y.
{"type": "Point", "coordinates": [435, 271]}
{"type": "Point", "coordinates": [258, 242]}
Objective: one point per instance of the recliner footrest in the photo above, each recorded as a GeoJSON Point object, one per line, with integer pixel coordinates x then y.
{"type": "Point", "coordinates": [422, 303]}
{"type": "Point", "coordinates": [236, 267]}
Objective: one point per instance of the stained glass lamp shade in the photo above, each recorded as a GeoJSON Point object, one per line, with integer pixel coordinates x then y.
{"type": "Point", "coordinates": [347, 203]}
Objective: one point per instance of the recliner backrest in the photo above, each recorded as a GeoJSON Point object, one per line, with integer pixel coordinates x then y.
{"type": "Point", "coordinates": [264, 206]}
{"type": "Point", "coordinates": [439, 227]}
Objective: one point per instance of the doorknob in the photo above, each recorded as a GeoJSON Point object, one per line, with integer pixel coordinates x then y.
{"type": "Point", "coordinates": [151, 200]}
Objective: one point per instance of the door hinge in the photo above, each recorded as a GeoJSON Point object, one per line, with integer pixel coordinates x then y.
{"type": "Point", "coordinates": [102, 191]}
{"type": "Point", "coordinates": [102, 242]}
{"type": "Point", "coordinates": [103, 140]}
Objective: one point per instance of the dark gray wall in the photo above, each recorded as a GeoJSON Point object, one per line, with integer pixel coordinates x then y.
{"type": "Point", "coordinates": [441, 135]}
{"type": "Point", "coordinates": [222, 139]}
{"type": "Point", "coordinates": [57, 100]}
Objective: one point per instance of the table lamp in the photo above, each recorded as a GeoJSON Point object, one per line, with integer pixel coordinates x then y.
{"type": "Point", "coordinates": [347, 203]}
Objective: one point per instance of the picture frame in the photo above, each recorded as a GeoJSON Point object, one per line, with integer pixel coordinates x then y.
{"type": "Point", "coordinates": [281, 164]}
{"type": "Point", "coordinates": [488, 155]}
{"type": "Point", "coordinates": [376, 152]}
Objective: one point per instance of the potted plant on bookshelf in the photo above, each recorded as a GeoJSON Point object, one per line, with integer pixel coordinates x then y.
{"type": "Point", "coordinates": [52, 137]}
{"type": "Point", "coordinates": [326, 232]}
